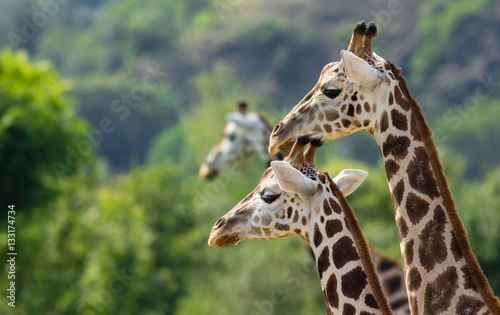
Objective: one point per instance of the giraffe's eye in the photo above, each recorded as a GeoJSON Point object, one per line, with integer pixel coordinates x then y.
{"type": "Point", "coordinates": [331, 92]}
{"type": "Point", "coordinates": [269, 198]}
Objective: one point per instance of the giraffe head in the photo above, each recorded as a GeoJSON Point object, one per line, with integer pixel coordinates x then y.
{"type": "Point", "coordinates": [246, 134]}
{"type": "Point", "coordinates": [345, 98]}
{"type": "Point", "coordinates": [289, 194]}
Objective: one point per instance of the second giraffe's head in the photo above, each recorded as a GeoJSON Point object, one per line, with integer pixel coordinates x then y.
{"type": "Point", "coordinates": [347, 96]}
{"type": "Point", "coordinates": [290, 197]}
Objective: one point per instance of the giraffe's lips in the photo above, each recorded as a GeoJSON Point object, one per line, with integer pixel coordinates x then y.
{"type": "Point", "coordinates": [207, 173]}
{"type": "Point", "coordinates": [276, 145]}
{"type": "Point", "coordinates": [224, 240]}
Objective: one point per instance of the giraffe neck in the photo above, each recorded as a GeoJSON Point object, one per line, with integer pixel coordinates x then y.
{"type": "Point", "coordinates": [347, 273]}
{"type": "Point", "coordinates": [441, 272]}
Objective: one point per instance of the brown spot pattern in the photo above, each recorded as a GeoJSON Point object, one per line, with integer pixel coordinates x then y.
{"type": "Point", "coordinates": [399, 120]}
{"type": "Point", "coordinates": [397, 194]}
{"type": "Point", "coordinates": [414, 130]}
{"type": "Point", "coordinates": [282, 227]}
{"type": "Point", "coordinates": [266, 219]}
{"type": "Point", "coordinates": [350, 111]}
{"type": "Point", "coordinates": [333, 227]}
{"type": "Point", "coordinates": [468, 280]}
{"type": "Point", "coordinates": [321, 116]}
{"type": "Point", "coordinates": [327, 127]}
{"type": "Point", "coordinates": [367, 107]}
{"type": "Point", "coordinates": [468, 305]}
{"type": "Point", "coordinates": [420, 174]}
{"type": "Point", "coordinates": [346, 123]}
{"type": "Point", "coordinates": [414, 279]}
{"type": "Point", "coordinates": [416, 207]}
{"type": "Point", "coordinates": [402, 228]}
{"type": "Point", "coordinates": [370, 301]}
{"type": "Point", "coordinates": [348, 309]}
{"type": "Point", "coordinates": [384, 122]}
{"type": "Point", "coordinates": [392, 284]}
{"type": "Point", "coordinates": [391, 168]}
{"type": "Point", "coordinates": [331, 292]}
{"type": "Point", "coordinates": [353, 283]}
{"type": "Point", "coordinates": [289, 212]}
{"type": "Point", "coordinates": [432, 248]}
{"type": "Point", "coordinates": [385, 264]}
{"type": "Point", "coordinates": [323, 261]}
{"type": "Point", "coordinates": [317, 237]}
{"type": "Point", "coordinates": [343, 251]}
{"type": "Point", "coordinates": [455, 247]}
{"type": "Point", "coordinates": [358, 109]}
{"type": "Point", "coordinates": [396, 145]}
{"type": "Point", "coordinates": [409, 252]}
{"type": "Point", "coordinates": [335, 206]}
{"type": "Point", "coordinates": [391, 99]}
{"type": "Point", "coordinates": [331, 114]}
{"type": "Point", "coordinates": [439, 292]}
{"type": "Point", "coordinates": [400, 100]}
{"type": "Point", "coordinates": [296, 217]}
{"type": "Point", "coordinates": [326, 207]}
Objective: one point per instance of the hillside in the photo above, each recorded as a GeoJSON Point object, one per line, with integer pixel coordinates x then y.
{"type": "Point", "coordinates": [275, 50]}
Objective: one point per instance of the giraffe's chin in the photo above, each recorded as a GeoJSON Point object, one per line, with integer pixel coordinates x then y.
{"type": "Point", "coordinates": [224, 240]}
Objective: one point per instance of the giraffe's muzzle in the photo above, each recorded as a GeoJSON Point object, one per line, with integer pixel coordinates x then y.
{"type": "Point", "coordinates": [222, 234]}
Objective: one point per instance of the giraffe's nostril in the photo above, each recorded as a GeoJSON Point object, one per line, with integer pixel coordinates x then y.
{"type": "Point", "coordinates": [277, 128]}
{"type": "Point", "coordinates": [220, 223]}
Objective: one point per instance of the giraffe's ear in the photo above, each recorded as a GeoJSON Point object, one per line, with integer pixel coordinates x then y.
{"type": "Point", "coordinates": [378, 58]}
{"type": "Point", "coordinates": [292, 180]}
{"type": "Point", "coordinates": [359, 71]}
{"type": "Point", "coordinates": [349, 180]}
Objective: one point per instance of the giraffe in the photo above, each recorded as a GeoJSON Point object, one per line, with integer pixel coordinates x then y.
{"type": "Point", "coordinates": [246, 134]}
{"type": "Point", "coordinates": [293, 197]}
{"type": "Point", "coordinates": [390, 272]}
{"type": "Point", "coordinates": [365, 92]}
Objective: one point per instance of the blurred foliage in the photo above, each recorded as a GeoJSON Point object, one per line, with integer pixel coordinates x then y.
{"type": "Point", "coordinates": [133, 239]}
{"type": "Point", "coordinates": [470, 130]}
{"type": "Point", "coordinates": [437, 21]}
{"type": "Point", "coordinates": [42, 140]}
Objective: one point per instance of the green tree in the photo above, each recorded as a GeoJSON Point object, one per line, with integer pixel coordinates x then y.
{"type": "Point", "coordinates": [41, 139]}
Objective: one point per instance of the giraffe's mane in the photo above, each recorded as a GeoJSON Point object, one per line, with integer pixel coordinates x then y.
{"type": "Point", "coordinates": [436, 166]}
{"type": "Point", "coordinates": [263, 118]}
{"type": "Point", "coordinates": [362, 246]}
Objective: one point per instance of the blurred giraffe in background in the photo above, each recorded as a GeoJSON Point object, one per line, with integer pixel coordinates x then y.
{"type": "Point", "coordinates": [246, 134]}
